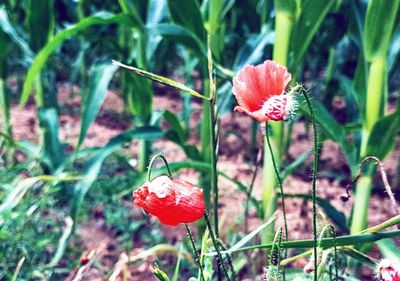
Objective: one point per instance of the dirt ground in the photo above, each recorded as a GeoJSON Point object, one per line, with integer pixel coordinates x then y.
{"type": "Point", "coordinates": [95, 238]}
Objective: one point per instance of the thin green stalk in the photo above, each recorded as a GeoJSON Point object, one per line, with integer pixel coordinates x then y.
{"type": "Point", "coordinates": [213, 162]}
{"type": "Point", "coordinates": [196, 254]}
{"type": "Point", "coordinates": [250, 191]}
{"type": "Point", "coordinates": [281, 190]}
{"type": "Point", "coordinates": [216, 246]}
{"type": "Point", "coordinates": [153, 159]}
{"type": "Point", "coordinates": [212, 119]}
{"type": "Point", "coordinates": [229, 258]}
{"type": "Point", "coordinates": [279, 182]}
{"type": "Point", "coordinates": [253, 141]}
{"type": "Point", "coordinates": [325, 243]}
{"type": "Point", "coordinates": [314, 180]}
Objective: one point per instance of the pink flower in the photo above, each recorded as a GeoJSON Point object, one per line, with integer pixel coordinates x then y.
{"type": "Point", "coordinates": [260, 91]}
{"type": "Point", "coordinates": [172, 201]}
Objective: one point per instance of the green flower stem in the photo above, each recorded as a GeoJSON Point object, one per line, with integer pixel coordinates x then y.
{"type": "Point", "coordinates": [196, 254]}
{"type": "Point", "coordinates": [279, 181]}
{"type": "Point", "coordinates": [213, 162]}
{"type": "Point", "coordinates": [314, 180]}
{"type": "Point", "coordinates": [229, 259]}
{"type": "Point", "coordinates": [277, 176]}
{"type": "Point", "coordinates": [216, 246]}
{"type": "Point", "coordinates": [213, 134]}
{"type": "Point", "coordinates": [153, 159]}
{"type": "Point", "coordinates": [269, 197]}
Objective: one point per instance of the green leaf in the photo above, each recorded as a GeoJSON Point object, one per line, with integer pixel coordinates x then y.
{"type": "Point", "coordinates": [285, 6]}
{"type": "Point", "coordinates": [178, 134]}
{"type": "Point", "coordinates": [378, 28]}
{"type": "Point", "coordinates": [382, 139]}
{"type": "Point", "coordinates": [312, 14]}
{"type": "Point", "coordinates": [187, 14]}
{"type": "Point", "coordinates": [253, 49]}
{"type": "Point", "coordinates": [41, 22]}
{"type": "Point", "coordinates": [17, 192]}
{"type": "Point", "coordinates": [140, 99]}
{"type": "Point", "coordinates": [102, 18]}
{"type": "Point", "coordinates": [332, 130]}
{"type": "Point", "coordinates": [360, 256]}
{"type": "Point", "coordinates": [337, 217]}
{"type": "Point", "coordinates": [6, 46]}
{"type": "Point", "coordinates": [247, 238]}
{"type": "Point", "coordinates": [156, 11]}
{"type": "Point", "coordinates": [100, 77]}
{"type": "Point", "coordinates": [93, 166]}
{"type": "Point", "coordinates": [176, 127]}
{"type": "Point", "coordinates": [161, 79]}
{"type": "Point", "coordinates": [389, 249]}
{"type": "Point", "coordinates": [289, 168]}
{"type": "Point", "coordinates": [161, 275]}
{"type": "Point", "coordinates": [54, 150]}
{"type": "Point", "coordinates": [180, 35]}
{"type": "Point", "coordinates": [8, 28]}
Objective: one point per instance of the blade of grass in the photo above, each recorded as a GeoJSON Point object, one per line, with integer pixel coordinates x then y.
{"type": "Point", "coordinates": [161, 79]}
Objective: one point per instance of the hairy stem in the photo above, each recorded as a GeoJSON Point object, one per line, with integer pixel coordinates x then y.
{"type": "Point", "coordinates": [196, 254]}
{"type": "Point", "coordinates": [153, 159]}
{"type": "Point", "coordinates": [216, 246]}
{"type": "Point", "coordinates": [314, 180]}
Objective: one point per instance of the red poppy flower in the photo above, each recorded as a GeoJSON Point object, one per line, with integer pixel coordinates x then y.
{"type": "Point", "coordinates": [260, 91]}
{"type": "Point", "coordinates": [172, 201]}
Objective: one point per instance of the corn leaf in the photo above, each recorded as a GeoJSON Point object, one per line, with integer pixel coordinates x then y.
{"type": "Point", "coordinates": [312, 14]}
{"type": "Point", "coordinates": [100, 77]}
{"type": "Point", "coordinates": [182, 36]}
{"type": "Point", "coordinates": [378, 27]}
{"type": "Point", "coordinates": [8, 28]}
{"type": "Point", "coordinates": [41, 22]}
{"type": "Point", "coordinates": [187, 14]}
{"type": "Point", "coordinates": [93, 166]}
{"type": "Point", "coordinates": [382, 139]}
{"type": "Point", "coordinates": [102, 18]}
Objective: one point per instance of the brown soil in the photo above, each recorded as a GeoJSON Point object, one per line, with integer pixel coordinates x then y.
{"type": "Point", "coordinates": [97, 241]}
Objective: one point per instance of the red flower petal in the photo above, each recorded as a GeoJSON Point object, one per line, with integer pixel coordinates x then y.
{"type": "Point", "coordinates": [172, 201]}
{"type": "Point", "coordinates": [253, 85]}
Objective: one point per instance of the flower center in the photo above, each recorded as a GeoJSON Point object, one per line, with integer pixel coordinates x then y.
{"type": "Point", "coordinates": [279, 108]}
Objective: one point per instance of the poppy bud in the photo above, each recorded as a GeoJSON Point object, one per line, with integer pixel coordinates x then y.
{"type": "Point", "coordinates": [172, 201]}
{"type": "Point", "coordinates": [260, 92]}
